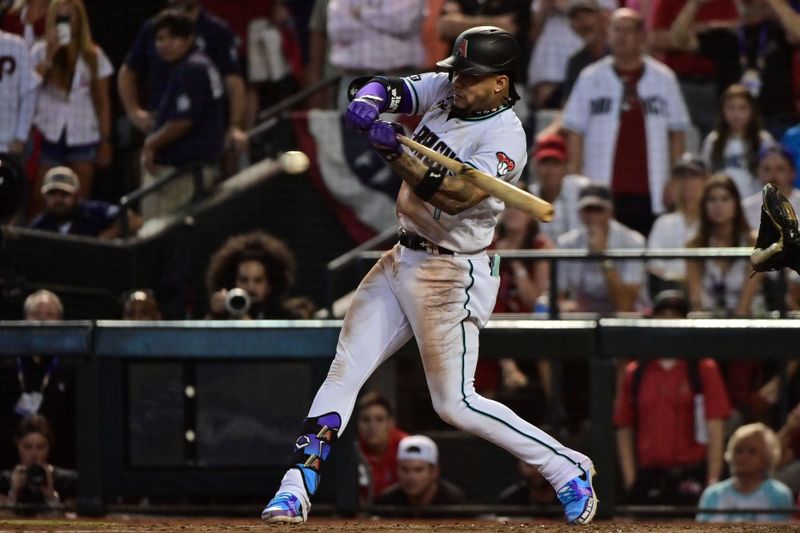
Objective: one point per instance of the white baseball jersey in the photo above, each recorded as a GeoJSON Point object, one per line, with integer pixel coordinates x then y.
{"type": "Point", "coordinates": [18, 81]}
{"type": "Point", "coordinates": [74, 112]}
{"type": "Point", "coordinates": [670, 231]}
{"type": "Point", "coordinates": [593, 110]}
{"type": "Point", "coordinates": [734, 161]}
{"type": "Point", "coordinates": [494, 143]}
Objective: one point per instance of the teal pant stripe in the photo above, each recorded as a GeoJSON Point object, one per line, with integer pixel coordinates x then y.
{"type": "Point", "coordinates": [463, 379]}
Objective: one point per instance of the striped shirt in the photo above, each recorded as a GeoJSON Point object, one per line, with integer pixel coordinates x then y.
{"type": "Point", "coordinates": [375, 35]}
{"type": "Point", "coordinates": [18, 81]}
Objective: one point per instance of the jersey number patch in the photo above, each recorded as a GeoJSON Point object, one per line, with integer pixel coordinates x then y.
{"type": "Point", "coordinates": [504, 164]}
{"type": "Point", "coordinates": [7, 66]}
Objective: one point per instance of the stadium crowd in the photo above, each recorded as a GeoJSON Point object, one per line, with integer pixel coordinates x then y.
{"type": "Point", "coordinates": [652, 124]}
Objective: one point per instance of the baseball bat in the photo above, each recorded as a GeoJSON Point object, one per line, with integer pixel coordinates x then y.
{"type": "Point", "coordinates": [512, 196]}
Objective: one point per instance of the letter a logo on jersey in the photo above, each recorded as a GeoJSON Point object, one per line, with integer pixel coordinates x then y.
{"type": "Point", "coordinates": [504, 164]}
{"type": "Point", "coordinates": [461, 50]}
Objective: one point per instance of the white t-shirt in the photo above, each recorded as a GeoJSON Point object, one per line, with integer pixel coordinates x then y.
{"type": "Point", "coordinates": [73, 110]}
{"type": "Point", "coordinates": [734, 161]}
{"type": "Point", "coordinates": [17, 81]}
{"type": "Point", "coordinates": [670, 231]}
{"type": "Point", "coordinates": [494, 143]}
{"type": "Point", "coordinates": [565, 207]}
{"type": "Point", "coordinates": [593, 110]}
{"type": "Point", "coordinates": [752, 207]}
{"type": "Point", "coordinates": [585, 280]}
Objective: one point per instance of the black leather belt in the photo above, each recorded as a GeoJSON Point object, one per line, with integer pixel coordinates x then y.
{"type": "Point", "coordinates": [415, 242]}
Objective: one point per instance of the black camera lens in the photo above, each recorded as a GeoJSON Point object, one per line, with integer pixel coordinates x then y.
{"type": "Point", "coordinates": [237, 302]}
{"type": "Point", "coordinates": [37, 477]}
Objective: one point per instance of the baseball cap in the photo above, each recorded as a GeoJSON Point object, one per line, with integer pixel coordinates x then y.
{"type": "Point", "coordinates": [581, 5]}
{"type": "Point", "coordinates": [550, 146]}
{"type": "Point", "coordinates": [691, 163]}
{"type": "Point", "coordinates": [595, 195]}
{"type": "Point", "coordinates": [418, 447]}
{"type": "Point", "coordinates": [62, 179]}
{"type": "Point", "coordinates": [671, 299]}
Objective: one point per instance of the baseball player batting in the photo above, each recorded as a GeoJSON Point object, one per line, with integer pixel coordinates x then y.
{"type": "Point", "coordinates": [437, 284]}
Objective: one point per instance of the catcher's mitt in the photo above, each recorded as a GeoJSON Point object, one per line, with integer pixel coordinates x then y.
{"type": "Point", "coordinates": [778, 243]}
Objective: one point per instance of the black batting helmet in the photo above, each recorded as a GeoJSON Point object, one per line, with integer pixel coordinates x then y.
{"type": "Point", "coordinates": [485, 50]}
{"type": "Point", "coordinates": [10, 187]}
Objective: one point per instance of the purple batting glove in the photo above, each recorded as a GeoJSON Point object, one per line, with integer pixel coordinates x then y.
{"type": "Point", "coordinates": [383, 138]}
{"type": "Point", "coordinates": [363, 111]}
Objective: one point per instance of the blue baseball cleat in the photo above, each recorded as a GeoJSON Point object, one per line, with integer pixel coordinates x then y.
{"type": "Point", "coordinates": [285, 507]}
{"type": "Point", "coordinates": [578, 499]}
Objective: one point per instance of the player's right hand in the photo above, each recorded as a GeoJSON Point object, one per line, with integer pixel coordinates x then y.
{"type": "Point", "coordinates": [362, 112]}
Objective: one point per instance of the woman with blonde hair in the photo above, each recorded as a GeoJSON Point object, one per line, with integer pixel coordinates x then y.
{"type": "Point", "coordinates": [73, 110]}
{"type": "Point", "coordinates": [752, 454]}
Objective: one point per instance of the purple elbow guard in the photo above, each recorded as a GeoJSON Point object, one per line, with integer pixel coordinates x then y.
{"type": "Point", "coordinates": [393, 92]}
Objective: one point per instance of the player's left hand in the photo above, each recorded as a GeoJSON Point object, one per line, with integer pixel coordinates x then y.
{"type": "Point", "coordinates": [383, 138]}
{"type": "Point", "coordinates": [362, 112]}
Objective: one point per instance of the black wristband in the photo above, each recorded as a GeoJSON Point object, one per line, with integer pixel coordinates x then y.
{"type": "Point", "coordinates": [430, 183]}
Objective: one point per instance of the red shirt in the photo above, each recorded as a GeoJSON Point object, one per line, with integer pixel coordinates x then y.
{"type": "Point", "coordinates": [630, 158]}
{"type": "Point", "coordinates": [688, 64]}
{"type": "Point", "coordinates": [665, 418]}
{"type": "Point", "coordinates": [383, 468]}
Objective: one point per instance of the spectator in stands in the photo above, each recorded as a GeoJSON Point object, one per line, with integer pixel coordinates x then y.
{"type": "Point", "coordinates": [73, 111]}
{"type": "Point", "coordinates": [263, 267]}
{"type": "Point", "coordinates": [788, 468]}
{"type": "Point", "coordinates": [144, 63]}
{"type": "Point", "coordinates": [673, 230]}
{"type": "Point", "coordinates": [722, 286]}
{"type": "Point", "coordinates": [757, 52]}
{"type": "Point", "coordinates": [39, 384]}
{"type": "Point", "coordinates": [18, 93]}
{"type": "Point", "coordinates": [378, 440]}
{"type": "Point", "coordinates": [266, 36]}
{"type": "Point", "coordinates": [626, 120]}
{"type": "Point", "coordinates": [34, 480]}
{"type": "Point", "coordinates": [189, 125]}
{"type": "Point", "coordinates": [28, 19]}
{"type": "Point", "coordinates": [555, 41]}
{"type": "Point", "coordinates": [554, 185]}
{"type": "Point", "coordinates": [775, 166]}
{"type": "Point", "coordinates": [752, 454]}
{"type": "Point", "coordinates": [319, 64]}
{"type": "Point", "coordinates": [140, 304]}
{"type": "Point", "coordinates": [381, 36]}
{"type": "Point", "coordinates": [66, 214]}
{"type": "Point", "coordinates": [667, 452]}
{"type": "Point", "coordinates": [688, 37]}
{"type": "Point", "coordinates": [736, 141]}
{"type": "Point", "coordinates": [590, 23]}
{"type": "Point", "coordinates": [605, 287]}
{"type": "Point", "coordinates": [531, 490]}
{"type": "Point", "coordinates": [418, 477]}
{"type": "Point", "coordinates": [460, 15]}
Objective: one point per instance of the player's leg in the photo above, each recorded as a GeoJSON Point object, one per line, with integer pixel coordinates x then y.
{"type": "Point", "coordinates": [373, 329]}
{"type": "Point", "coordinates": [446, 322]}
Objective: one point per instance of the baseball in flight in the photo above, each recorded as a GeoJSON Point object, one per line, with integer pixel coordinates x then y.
{"type": "Point", "coordinates": [294, 162]}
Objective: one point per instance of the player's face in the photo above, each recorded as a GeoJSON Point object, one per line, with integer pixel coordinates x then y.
{"type": "Point", "coordinates": [476, 92]}
{"type": "Point", "coordinates": [550, 171]}
{"type": "Point", "coordinates": [374, 426]}
{"type": "Point", "coordinates": [59, 204]}
{"type": "Point", "coordinates": [33, 448]}
{"type": "Point", "coordinates": [415, 476]}
{"type": "Point", "coordinates": [749, 456]}
{"type": "Point", "coordinates": [737, 113]}
{"type": "Point", "coordinates": [720, 206]}
{"type": "Point", "coordinates": [171, 48]}
{"type": "Point", "coordinates": [625, 37]}
{"type": "Point", "coordinates": [251, 277]}
{"type": "Point", "coordinates": [776, 170]}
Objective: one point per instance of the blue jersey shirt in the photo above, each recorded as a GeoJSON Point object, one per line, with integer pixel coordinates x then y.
{"type": "Point", "coordinates": [214, 37]}
{"type": "Point", "coordinates": [194, 92]}
{"type": "Point", "coordinates": [90, 218]}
